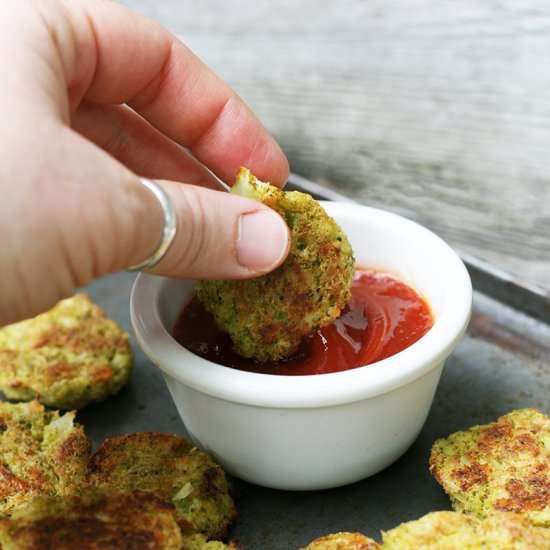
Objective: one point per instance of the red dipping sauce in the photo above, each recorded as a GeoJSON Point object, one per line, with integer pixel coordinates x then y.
{"type": "Point", "coordinates": [384, 316]}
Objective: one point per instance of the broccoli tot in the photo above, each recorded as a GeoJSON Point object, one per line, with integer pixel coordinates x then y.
{"type": "Point", "coordinates": [173, 469]}
{"type": "Point", "coordinates": [68, 357]}
{"type": "Point", "coordinates": [454, 530]}
{"type": "Point", "coordinates": [92, 520]}
{"type": "Point", "coordinates": [42, 453]}
{"type": "Point", "coordinates": [267, 317]}
{"type": "Point", "coordinates": [502, 466]}
{"type": "Point", "coordinates": [343, 541]}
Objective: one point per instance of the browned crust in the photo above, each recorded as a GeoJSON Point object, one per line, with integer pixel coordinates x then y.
{"type": "Point", "coordinates": [132, 521]}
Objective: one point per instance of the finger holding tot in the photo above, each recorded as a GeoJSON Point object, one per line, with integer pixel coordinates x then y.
{"type": "Point", "coordinates": [109, 97]}
{"type": "Point", "coordinates": [217, 236]}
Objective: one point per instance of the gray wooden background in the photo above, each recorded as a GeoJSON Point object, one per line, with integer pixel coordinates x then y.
{"type": "Point", "coordinates": [436, 109]}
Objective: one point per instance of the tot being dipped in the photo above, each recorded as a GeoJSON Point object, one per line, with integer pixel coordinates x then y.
{"type": "Point", "coordinates": [267, 317]}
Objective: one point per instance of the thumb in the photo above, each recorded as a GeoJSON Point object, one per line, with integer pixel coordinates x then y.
{"type": "Point", "coordinates": [77, 214]}
{"type": "Point", "coordinates": [219, 235]}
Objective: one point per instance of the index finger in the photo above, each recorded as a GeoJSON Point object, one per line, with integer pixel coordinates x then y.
{"type": "Point", "coordinates": [138, 62]}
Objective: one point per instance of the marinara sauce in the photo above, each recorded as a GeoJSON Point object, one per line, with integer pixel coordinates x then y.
{"type": "Point", "coordinates": [384, 316]}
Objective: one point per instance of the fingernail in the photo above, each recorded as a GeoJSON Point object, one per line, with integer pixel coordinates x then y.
{"type": "Point", "coordinates": [263, 240]}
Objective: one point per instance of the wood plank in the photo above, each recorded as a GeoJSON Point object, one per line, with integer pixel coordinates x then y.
{"type": "Point", "coordinates": [439, 111]}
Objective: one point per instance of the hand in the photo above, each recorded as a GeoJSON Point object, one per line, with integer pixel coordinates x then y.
{"type": "Point", "coordinates": [92, 96]}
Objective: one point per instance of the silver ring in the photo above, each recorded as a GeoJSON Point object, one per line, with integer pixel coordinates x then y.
{"type": "Point", "coordinates": [169, 231]}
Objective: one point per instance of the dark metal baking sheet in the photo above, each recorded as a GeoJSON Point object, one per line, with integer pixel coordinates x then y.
{"type": "Point", "coordinates": [502, 364]}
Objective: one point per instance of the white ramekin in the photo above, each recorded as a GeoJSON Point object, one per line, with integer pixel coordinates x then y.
{"type": "Point", "coordinates": [317, 431]}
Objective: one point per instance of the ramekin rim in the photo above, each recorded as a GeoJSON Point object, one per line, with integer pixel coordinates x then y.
{"type": "Point", "coordinates": [310, 390]}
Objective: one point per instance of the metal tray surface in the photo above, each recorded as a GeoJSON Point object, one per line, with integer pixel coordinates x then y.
{"type": "Point", "coordinates": [502, 364]}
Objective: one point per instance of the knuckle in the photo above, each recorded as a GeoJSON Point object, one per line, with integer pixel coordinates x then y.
{"type": "Point", "coordinates": [117, 143]}
{"type": "Point", "coordinates": [192, 228]}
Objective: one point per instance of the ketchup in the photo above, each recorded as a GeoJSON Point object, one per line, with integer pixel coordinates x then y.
{"type": "Point", "coordinates": [384, 316]}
